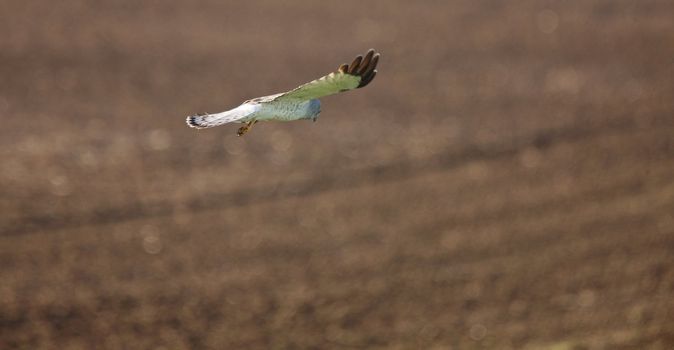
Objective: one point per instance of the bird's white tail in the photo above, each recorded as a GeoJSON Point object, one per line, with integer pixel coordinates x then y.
{"type": "Point", "coordinates": [202, 121]}
{"type": "Point", "coordinates": [205, 120]}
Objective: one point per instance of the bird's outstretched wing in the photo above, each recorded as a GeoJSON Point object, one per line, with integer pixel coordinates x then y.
{"type": "Point", "coordinates": [238, 114]}
{"type": "Point", "coordinates": [347, 77]}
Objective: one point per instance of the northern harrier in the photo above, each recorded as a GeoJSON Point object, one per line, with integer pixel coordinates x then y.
{"type": "Point", "coordinates": [299, 103]}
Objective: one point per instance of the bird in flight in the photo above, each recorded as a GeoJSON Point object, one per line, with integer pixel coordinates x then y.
{"type": "Point", "coordinates": [299, 103]}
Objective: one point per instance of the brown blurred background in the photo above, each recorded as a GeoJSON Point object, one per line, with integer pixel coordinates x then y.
{"type": "Point", "coordinates": [505, 183]}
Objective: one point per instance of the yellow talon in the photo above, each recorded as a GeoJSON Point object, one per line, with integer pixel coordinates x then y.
{"type": "Point", "coordinates": [246, 128]}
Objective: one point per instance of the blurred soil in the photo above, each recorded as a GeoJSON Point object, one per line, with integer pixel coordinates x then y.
{"type": "Point", "coordinates": [507, 181]}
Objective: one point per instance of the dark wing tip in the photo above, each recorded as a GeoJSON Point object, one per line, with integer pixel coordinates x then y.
{"type": "Point", "coordinates": [353, 68]}
{"type": "Point", "coordinates": [363, 67]}
{"type": "Point", "coordinates": [365, 64]}
{"type": "Point", "coordinates": [367, 79]}
{"type": "Point", "coordinates": [368, 72]}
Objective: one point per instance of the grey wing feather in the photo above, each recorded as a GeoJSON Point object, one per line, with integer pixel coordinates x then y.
{"type": "Point", "coordinates": [347, 77]}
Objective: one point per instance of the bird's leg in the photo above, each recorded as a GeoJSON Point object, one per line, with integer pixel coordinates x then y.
{"type": "Point", "coordinates": [246, 128]}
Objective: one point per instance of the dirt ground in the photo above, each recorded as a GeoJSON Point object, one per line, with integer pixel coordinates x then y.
{"type": "Point", "coordinates": [506, 182]}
